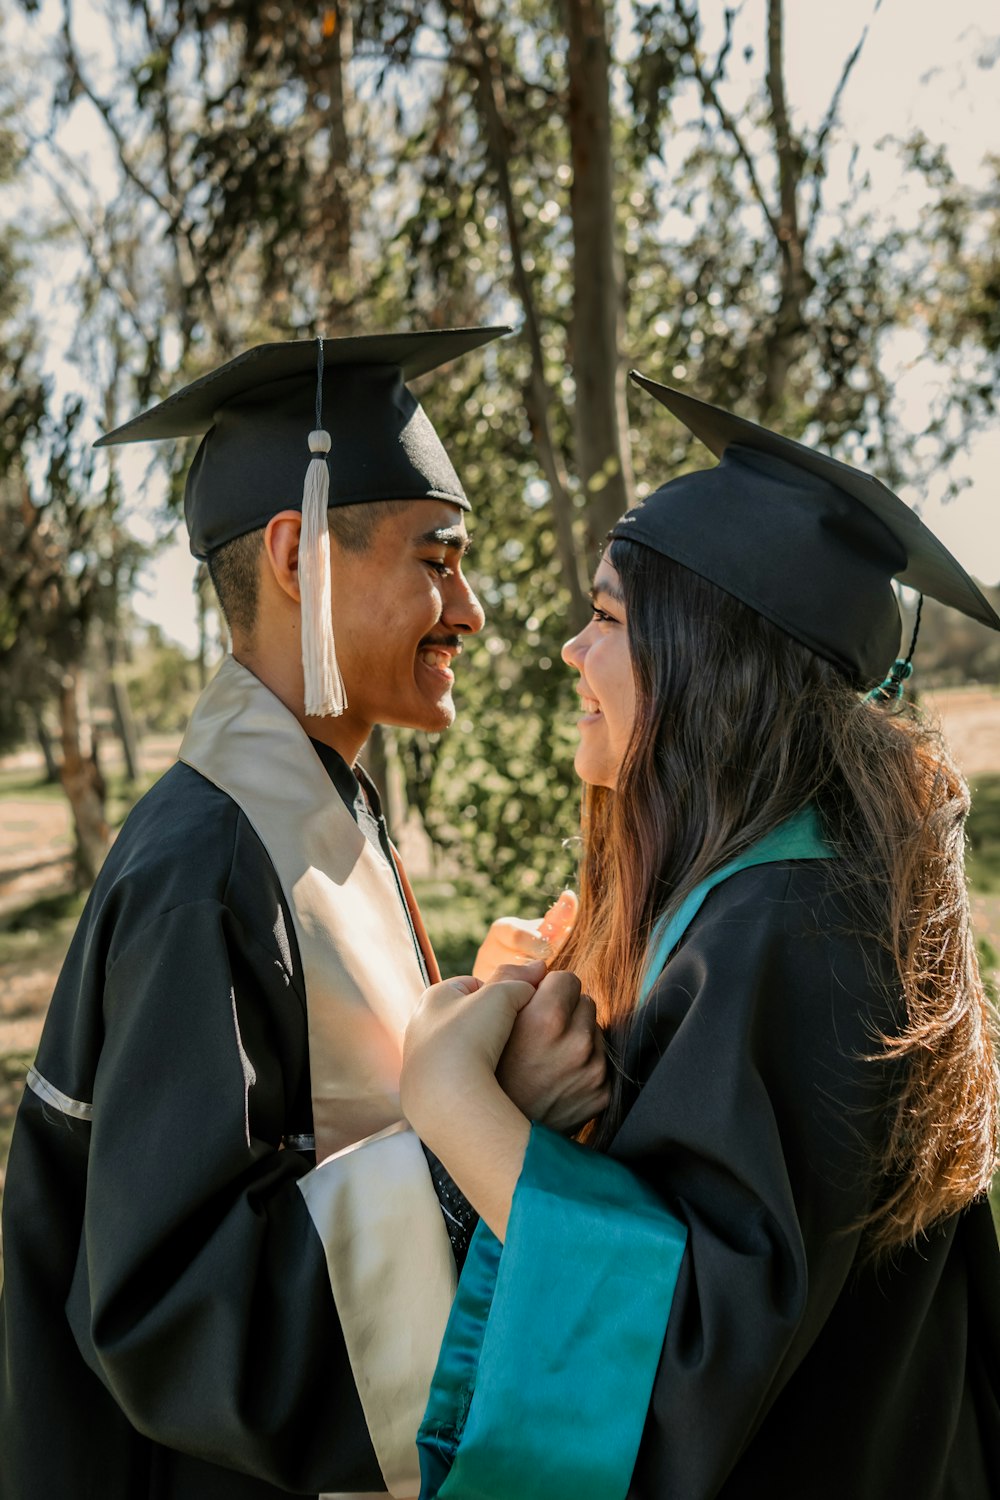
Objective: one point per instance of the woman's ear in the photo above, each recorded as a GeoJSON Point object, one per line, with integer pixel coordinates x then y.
{"type": "Point", "coordinates": [281, 551]}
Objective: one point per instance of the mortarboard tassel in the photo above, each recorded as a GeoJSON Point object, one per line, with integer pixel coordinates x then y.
{"type": "Point", "coordinates": [324, 686]}
{"type": "Point", "coordinates": [891, 690]}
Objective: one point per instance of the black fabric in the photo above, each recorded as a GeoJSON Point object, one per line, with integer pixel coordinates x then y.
{"type": "Point", "coordinates": [256, 413]}
{"type": "Point", "coordinates": [808, 542]}
{"type": "Point", "coordinates": [167, 1327]}
{"type": "Point", "coordinates": [793, 1366]}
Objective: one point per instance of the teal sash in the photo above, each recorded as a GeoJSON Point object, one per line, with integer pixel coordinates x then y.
{"type": "Point", "coordinates": [799, 837]}
{"type": "Point", "coordinates": [547, 1367]}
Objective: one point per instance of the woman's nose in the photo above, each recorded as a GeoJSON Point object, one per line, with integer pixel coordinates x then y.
{"type": "Point", "coordinates": [574, 650]}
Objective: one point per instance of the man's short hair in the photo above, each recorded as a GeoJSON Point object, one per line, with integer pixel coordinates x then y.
{"type": "Point", "coordinates": [233, 571]}
{"type": "Point", "coordinates": [234, 567]}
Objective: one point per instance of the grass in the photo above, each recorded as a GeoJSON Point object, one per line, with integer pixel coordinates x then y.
{"type": "Point", "coordinates": [122, 794]}
{"type": "Point", "coordinates": [983, 828]}
{"type": "Point", "coordinates": [42, 929]}
{"type": "Point", "coordinates": [28, 785]}
{"type": "Point", "coordinates": [13, 1067]}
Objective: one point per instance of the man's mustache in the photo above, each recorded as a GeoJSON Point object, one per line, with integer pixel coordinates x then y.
{"type": "Point", "coordinates": [449, 642]}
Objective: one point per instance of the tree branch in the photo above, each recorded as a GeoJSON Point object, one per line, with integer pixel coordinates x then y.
{"type": "Point", "coordinates": [709, 94]}
{"type": "Point", "coordinates": [178, 224]}
{"type": "Point", "coordinates": [829, 119]}
{"type": "Point", "coordinates": [538, 396]}
{"type": "Point", "coordinates": [783, 341]}
{"type": "Point", "coordinates": [103, 265]}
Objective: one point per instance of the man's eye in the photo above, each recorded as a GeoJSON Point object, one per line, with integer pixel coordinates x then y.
{"type": "Point", "coordinates": [440, 567]}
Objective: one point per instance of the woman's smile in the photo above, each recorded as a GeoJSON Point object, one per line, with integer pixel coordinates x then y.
{"type": "Point", "coordinates": [591, 707]}
{"type": "Point", "coordinates": [600, 654]}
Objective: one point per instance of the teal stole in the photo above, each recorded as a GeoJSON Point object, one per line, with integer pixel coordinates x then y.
{"type": "Point", "coordinates": [547, 1366]}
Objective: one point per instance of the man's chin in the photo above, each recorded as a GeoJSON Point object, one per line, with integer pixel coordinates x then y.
{"type": "Point", "coordinates": [441, 716]}
{"type": "Point", "coordinates": [430, 717]}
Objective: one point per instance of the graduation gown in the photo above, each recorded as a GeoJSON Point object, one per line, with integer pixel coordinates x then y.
{"type": "Point", "coordinates": [193, 1307]}
{"type": "Point", "coordinates": [693, 1314]}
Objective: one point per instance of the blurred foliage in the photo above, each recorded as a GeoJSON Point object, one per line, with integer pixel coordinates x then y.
{"type": "Point", "coordinates": [954, 649]}
{"type": "Point", "coordinates": [162, 684]}
{"type": "Point", "coordinates": [67, 563]}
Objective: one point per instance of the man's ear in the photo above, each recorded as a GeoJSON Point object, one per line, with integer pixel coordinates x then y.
{"type": "Point", "coordinates": [281, 550]}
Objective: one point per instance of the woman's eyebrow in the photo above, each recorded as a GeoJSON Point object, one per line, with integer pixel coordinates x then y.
{"type": "Point", "coordinates": [608, 589]}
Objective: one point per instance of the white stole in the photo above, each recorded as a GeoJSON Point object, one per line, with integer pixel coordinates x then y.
{"type": "Point", "coordinates": [370, 1197]}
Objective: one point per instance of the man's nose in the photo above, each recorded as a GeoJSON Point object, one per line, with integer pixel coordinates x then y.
{"type": "Point", "coordinates": [463, 610]}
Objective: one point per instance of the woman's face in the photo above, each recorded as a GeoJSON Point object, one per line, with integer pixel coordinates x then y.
{"type": "Point", "coordinates": [607, 687]}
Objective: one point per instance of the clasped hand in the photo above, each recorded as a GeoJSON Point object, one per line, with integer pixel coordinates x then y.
{"type": "Point", "coordinates": [536, 1034]}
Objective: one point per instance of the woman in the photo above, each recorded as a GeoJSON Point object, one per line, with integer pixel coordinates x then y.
{"type": "Point", "coordinates": [770, 1271]}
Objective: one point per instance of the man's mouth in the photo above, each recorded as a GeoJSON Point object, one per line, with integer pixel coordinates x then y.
{"type": "Point", "coordinates": [438, 655]}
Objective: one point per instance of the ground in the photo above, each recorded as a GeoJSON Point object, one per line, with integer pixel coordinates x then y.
{"type": "Point", "coordinates": [38, 909]}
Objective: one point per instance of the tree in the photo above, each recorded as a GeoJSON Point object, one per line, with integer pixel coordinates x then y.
{"type": "Point", "coordinates": [66, 564]}
{"type": "Point", "coordinates": [388, 164]}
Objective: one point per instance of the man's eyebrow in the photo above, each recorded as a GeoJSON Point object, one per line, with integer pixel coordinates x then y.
{"type": "Point", "coordinates": [609, 590]}
{"type": "Point", "coordinates": [446, 536]}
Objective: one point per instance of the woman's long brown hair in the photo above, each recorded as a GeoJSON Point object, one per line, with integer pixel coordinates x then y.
{"type": "Point", "coordinates": [737, 727]}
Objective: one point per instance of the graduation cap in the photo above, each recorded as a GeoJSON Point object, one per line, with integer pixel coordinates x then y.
{"type": "Point", "coordinates": [370, 440]}
{"type": "Point", "coordinates": [808, 542]}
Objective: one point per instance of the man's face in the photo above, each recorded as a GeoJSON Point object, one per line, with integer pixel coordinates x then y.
{"type": "Point", "coordinates": [400, 613]}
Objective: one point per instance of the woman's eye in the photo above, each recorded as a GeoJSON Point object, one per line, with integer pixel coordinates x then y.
{"type": "Point", "coordinates": [602, 616]}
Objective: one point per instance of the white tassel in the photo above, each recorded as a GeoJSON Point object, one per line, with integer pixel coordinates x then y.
{"type": "Point", "coordinates": [323, 683]}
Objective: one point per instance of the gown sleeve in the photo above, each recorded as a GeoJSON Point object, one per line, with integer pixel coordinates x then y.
{"type": "Point", "coordinates": [645, 1310]}
{"type": "Point", "coordinates": [200, 1295]}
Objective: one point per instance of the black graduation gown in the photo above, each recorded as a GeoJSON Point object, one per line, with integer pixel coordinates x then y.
{"type": "Point", "coordinates": [793, 1365]}
{"type": "Point", "coordinates": [167, 1326]}
{"type": "Point", "coordinates": [693, 1315]}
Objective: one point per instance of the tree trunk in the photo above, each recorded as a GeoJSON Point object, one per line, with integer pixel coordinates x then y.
{"type": "Point", "coordinates": [121, 710]}
{"type": "Point", "coordinates": [45, 745]}
{"type": "Point", "coordinates": [537, 396]}
{"type": "Point", "coordinates": [338, 216]}
{"type": "Point", "coordinates": [380, 758]}
{"type": "Point", "coordinates": [82, 780]}
{"type": "Point", "coordinates": [784, 342]}
{"type": "Point", "coordinates": [375, 761]}
{"type": "Point", "coordinates": [601, 422]}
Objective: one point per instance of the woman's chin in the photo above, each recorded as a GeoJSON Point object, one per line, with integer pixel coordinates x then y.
{"type": "Point", "coordinates": [592, 769]}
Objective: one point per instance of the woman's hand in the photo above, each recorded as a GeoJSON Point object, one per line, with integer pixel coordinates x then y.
{"type": "Point", "coordinates": [448, 1090]}
{"type": "Point", "coordinates": [512, 940]}
{"type": "Point", "coordinates": [455, 1038]}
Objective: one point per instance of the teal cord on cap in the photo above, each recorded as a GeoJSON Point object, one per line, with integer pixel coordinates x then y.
{"type": "Point", "coordinates": [891, 690]}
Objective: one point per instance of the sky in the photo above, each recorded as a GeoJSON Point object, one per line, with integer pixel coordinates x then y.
{"type": "Point", "coordinates": [923, 65]}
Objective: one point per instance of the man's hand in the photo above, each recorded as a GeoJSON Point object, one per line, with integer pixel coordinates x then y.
{"type": "Point", "coordinates": [512, 940]}
{"type": "Point", "coordinates": [554, 1066]}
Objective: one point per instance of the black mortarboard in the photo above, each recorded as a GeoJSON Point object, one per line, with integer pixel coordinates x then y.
{"type": "Point", "coordinates": [256, 412]}
{"type": "Point", "coordinates": [808, 542]}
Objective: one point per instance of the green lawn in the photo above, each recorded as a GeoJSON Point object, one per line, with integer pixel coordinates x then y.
{"type": "Point", "coordinates": [983, 828]}
{"type": "Point", "coordinates": [28, 786]}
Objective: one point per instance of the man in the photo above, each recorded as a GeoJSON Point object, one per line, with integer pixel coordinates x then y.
{"type": "Point", "coordinates": [228, 1260]}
